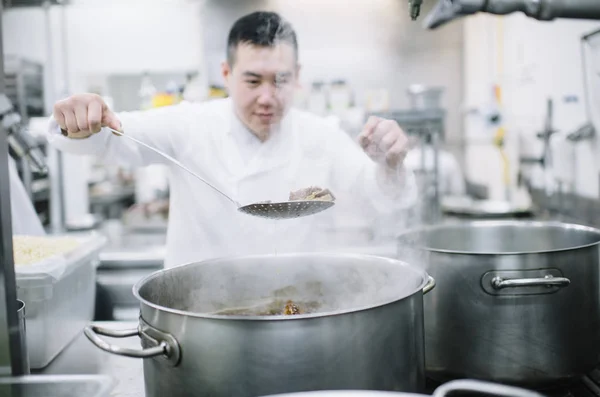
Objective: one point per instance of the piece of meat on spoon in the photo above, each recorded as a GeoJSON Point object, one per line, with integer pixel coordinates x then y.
{"type": "Point", "coordinates": [312, 193]}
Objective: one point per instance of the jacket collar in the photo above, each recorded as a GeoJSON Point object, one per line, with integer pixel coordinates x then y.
{"type": "Point", "coordinates": [274, 153]}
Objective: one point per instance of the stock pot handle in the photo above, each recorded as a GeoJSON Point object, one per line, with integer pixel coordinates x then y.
{"type": "Point", "coordinates": [163, 345]}
{"type": "Point", "coordinates": [430, 285]}
{"type": "Point", "coordinates": [467, 385]}
{"type": "Point", "coordinates": [546, 281]}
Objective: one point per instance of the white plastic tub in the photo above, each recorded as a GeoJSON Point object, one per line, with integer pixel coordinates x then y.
{"type": "Point", "coordinates": [59, 294]}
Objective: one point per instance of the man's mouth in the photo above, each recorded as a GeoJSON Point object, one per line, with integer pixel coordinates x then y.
{"type": "Point", "coordinates": [265, 117]}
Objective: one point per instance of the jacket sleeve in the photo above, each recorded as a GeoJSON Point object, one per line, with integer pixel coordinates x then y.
{"type": "Point", "coordinates": [163, 128]}
{"type": "Point", "coordinates": [355, 173]}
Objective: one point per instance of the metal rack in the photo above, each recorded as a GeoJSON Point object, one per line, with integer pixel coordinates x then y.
{"type": "Point", "coordinates": [425, 121]}
{"type": "Point", "coordinates": [24, 81]}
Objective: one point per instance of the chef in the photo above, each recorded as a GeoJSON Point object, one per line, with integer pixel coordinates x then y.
{"type": "Point", "coordinates": [253, 145]}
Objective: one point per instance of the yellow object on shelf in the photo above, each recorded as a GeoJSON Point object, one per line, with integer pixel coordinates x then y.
{"type": "Point", "coordinates": [216, 92]}
{"type": "Point", "coordinates": [163, 99]}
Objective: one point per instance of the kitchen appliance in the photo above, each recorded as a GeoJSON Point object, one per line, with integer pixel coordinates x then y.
{"type": "Point", "coordinates": [361, 326]}
{"type": "Point", "coordinates": [517, 302]}
{"type": "Point", "coordinates": [543, 10]}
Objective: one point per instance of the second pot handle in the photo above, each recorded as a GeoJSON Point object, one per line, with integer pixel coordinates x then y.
{"type": "Point", "coordinates": [546, 281]}
{"type": "Point", "coordinates": [430, 285]}
{"type": "Point", "coordinates": [486, 388]}
{"type": "Point", "coordinates": [165, 345]}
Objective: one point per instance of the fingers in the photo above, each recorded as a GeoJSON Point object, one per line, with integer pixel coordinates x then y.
{"type": "Point", "coordinates": [94, 117]}
{"type": "Point", "coordinates": [60, 117]}
{"type": "Point", "coordinates": [388, 140]}
{"type": "Point", "coordinates": [384, 141]}
{"type": "Point", "coordinates": [110, 120]}
{"type": "Point", "coordinates": [70, 122]}
{"type": "Point", "coordinates": [368, 131]}
{"type": "Point", "coordinates": [83, 115]}
{"type": "Point", "coordinates": [396, 154]}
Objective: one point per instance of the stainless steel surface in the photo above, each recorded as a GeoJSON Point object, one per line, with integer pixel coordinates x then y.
{"type": "Point", "coordinates": [282, 210]}
{"type": "Point", "coordinates": [485, 388]}
{"type": "Point", "coordinates": [414, 8]}
{"type": "Point", "coordinates": [129, 257]}
{"type": "Point", "coordinates": [528, 335]}
{"type": "Point", "coordinates": [82, 358]}
{"type": "Point", "coordinates": [451, 388]}
{"type": "Point", "coordinates": [166, 345]}
{"type": "Point", "coordinates": [56, 386]}
{"type": "Point", "coordinates": [286, 209]}
{"type": "Point", "coordinates": [11, 360]}
{"type": "Point", "coordinates": [57, 202]}
{"type": "Point", "coordinates": [590, 67]}
{"type": "Point", "coordinates": [367, 332]}
{"type": "Point", "coordinates": [23, 332]}
{"type": "Point", "coordinates": [468, 207]}
{"type": "Point", "coordinates": [546, 281]}
{"type": "Point", "coordinates": [543, 10]}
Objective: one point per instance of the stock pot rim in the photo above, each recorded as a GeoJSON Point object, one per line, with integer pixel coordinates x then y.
{"type": "Point", "coordinates": [488, 223]}
{"type": "Point", "coordinates": [425, 281]}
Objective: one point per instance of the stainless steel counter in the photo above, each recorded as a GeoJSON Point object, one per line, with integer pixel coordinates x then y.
{"type": "Point", "coordinates": [82, 357]}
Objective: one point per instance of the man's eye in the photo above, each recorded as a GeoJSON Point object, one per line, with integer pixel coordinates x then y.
{"type": "Point", "coordinates": [252, 82]}
{"type": "Point", "coordinates": [280, 82]}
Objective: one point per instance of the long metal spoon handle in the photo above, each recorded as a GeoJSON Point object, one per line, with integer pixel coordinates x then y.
{"type": "Point", "coordinates": [176, 162]}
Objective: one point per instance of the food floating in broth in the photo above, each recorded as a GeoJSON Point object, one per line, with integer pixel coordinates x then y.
{"type": "Point", "coordinates": [291, 308]}
{"type": "Point", "coordinates": [276, 307]}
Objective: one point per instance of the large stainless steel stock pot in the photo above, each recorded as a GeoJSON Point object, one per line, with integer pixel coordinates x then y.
{"type": "Point", "coordinates": [516, 302]}
{"type": "Point", "coordinates": [216, 327]}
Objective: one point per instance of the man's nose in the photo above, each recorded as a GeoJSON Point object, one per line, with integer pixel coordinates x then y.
{"type": "Point", "coordinates": [267, 95]}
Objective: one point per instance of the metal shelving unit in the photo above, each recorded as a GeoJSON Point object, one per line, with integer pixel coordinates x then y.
{"type": "Point", "coordinates": [24, 81]}
{"type": "Point", "coordinates": [425, 120]}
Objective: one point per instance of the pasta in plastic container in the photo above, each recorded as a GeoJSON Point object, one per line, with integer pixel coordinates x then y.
{"type": "Point", "coordinates": [56, 278]}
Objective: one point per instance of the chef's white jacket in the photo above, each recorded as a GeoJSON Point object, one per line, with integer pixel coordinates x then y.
{"type": "Point", "coordinates": [210, 139]}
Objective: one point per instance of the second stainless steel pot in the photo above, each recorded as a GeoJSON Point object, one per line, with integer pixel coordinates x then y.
{"type": "Point", "coordinates": [516, 302]}
{"type": "Point", "coordinates": [366, 334]}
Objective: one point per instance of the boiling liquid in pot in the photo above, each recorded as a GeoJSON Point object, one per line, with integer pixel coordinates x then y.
{"type": "Point", "coordinates": [274, 307]}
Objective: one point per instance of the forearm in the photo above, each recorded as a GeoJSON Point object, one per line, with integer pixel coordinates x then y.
{"type": "Point", "coordinates": [154, 128]}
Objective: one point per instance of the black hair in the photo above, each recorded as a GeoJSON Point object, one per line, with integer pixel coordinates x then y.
{"type": "Point", "coordinates": [261, 28]}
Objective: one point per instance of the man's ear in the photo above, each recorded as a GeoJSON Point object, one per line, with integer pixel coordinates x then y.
{"type": "Point", "coordinates": [226, 73]}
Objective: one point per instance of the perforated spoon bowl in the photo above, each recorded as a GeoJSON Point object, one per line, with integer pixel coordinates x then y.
{"type": "Point", "coordinates": [280, 210]}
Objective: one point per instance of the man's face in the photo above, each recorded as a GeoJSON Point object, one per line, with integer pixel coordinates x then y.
{"type": "Point", "coordinates": [261, 83]}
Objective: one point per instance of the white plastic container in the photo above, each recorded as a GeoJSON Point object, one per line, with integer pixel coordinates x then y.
{"type": "Point", "coordinates": [59, 294]}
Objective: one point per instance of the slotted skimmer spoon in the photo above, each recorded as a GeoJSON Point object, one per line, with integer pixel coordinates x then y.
{"type": "Point", "coordinates": [280, 210]}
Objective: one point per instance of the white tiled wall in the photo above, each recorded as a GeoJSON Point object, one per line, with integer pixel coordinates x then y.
{"type": "Point", "coordinates": [540, 60]}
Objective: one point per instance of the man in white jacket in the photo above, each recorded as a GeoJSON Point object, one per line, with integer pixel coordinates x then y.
{"type": "Point", "coordinates": [252, 145]}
